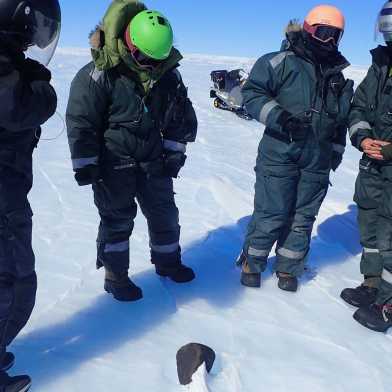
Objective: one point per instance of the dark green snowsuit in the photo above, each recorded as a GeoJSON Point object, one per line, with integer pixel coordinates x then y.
{"type": "Point", "coordinates": [128, 129]}
{"type": "Point", "coordinates": [292, 177]}
{"type": "Point", "coordinates": [371, 117]}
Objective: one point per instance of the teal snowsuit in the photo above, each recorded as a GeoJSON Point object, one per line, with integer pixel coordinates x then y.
{"type": "Point", "coordinates": [292, 177]}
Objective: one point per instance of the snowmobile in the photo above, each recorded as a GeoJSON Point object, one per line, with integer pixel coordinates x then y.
{"type": "Point", "coordinates": [227, 91]}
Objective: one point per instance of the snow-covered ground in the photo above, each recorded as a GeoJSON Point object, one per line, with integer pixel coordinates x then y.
{"type": "Point", "coordinates": [79, 339]}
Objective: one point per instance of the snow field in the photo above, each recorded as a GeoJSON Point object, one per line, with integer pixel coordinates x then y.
{"type": "Point", "coordinates": [80, 339]}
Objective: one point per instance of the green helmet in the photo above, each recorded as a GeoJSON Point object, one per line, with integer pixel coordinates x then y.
{"type": "Point", "coordinates": [152, 34]}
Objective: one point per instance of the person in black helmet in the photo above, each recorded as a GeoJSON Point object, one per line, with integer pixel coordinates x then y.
{"type": "Point", "coordinates": [27, 101]}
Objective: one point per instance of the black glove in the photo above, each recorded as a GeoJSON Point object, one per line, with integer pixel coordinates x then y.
{"type": "Point", "coordinates": [336, 160]}
{"type": "Point", "coordinates": [386, 152]}
{"type": "Point", "coordinates": [33, 70]}
{"type": "Point", "coordinates": [88, 175]}
{"type": "Point", "coordinates": [297, 129]}
{"type": "Point", "coordinates": [153, 168]}
{"type": "Point", "coordinates": [174, 161]}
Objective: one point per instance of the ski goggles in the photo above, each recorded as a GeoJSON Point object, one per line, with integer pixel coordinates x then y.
{"type": "Point", "coordinates": [140, 58]}
{"type": "Point", "coordinates": [324, 33]}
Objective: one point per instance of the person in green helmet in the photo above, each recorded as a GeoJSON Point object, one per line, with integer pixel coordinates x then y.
{"type": "Point", "coordinates": [129, 120]}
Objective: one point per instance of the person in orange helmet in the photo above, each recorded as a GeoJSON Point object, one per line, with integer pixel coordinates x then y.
{"type": "Point", "coordinates": [303, 99]}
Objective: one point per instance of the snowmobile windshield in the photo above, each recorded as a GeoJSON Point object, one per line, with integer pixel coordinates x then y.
{"type": "Point", "coordinates": [45, 34]}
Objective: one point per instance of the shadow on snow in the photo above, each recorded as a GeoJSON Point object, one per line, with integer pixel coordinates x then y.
{"type": "Point", "coordinates": [103, 326]}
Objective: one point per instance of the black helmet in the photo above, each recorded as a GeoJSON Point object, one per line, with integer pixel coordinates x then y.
{"type": "Point", "coordinates": [37, 22]}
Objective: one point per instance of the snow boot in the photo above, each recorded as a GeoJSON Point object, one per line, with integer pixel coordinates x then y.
{"type": "Point", "coordinates": [178, 273]}
{"type": "Point", "coordinates": [7, 362]}
{"type": "Point", "coordinates": [375, 317]}
{"type": "Point", "coordinates": [248, 278]}
{"type": "Point", "coordinates": [14, 384]}
{"type": "Point", "coordinates": [362, 296]}
{"type": "Point", "coordinates": [121, 287]}
{"type": "Point", "coordinates": [287, 282]}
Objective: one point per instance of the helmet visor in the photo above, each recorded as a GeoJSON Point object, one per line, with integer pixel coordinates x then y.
{"type": "Point", "coordinates": [324, 33]}
{"type": "Point", "coordinates": [45, 34]}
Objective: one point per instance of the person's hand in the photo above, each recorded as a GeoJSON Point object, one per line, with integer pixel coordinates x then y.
{"type": "Point", "coordinates": [174, 161]}
{"type": "Point", "coordinates": [88, 175]}
{"type": "Point", "coordinates": [372, 148]}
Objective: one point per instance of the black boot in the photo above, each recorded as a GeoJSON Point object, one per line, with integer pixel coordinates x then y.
{"type": "Point", "coordinates": [7, 362]}
{"type": "Point", "coordinates": [362, 296]}
{"type": "Point", "coordinates": [14, 384]}
{"type": "Point", "coordinates": [248, 278]}
{"type": "Point", "coordinates": [121, 287]}
{"type": "Point", "coordinates": [178, 273]}
{"type": "Point", "coordinates": [375, 317]}
{"type": "Point", "coordinates": [287, 282]}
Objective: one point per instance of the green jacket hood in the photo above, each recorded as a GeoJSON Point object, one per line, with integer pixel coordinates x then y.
{"type": "Point", "coordinates": [109, 50]}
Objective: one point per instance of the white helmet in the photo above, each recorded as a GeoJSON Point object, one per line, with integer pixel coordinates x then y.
{"type": "Point", "coordinates": [384, 22]}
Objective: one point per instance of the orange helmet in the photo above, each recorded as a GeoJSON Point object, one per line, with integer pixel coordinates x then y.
{"type": "Point", "coordinates": [326, 15]}
{"type": "Point", "coordinates": [325, 23]}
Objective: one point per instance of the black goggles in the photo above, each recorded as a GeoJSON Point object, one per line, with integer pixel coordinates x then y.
{"type": "Point", "coordinates": [324, 33]}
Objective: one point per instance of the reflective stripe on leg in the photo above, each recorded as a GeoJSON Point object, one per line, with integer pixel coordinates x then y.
{"type": "Point", "coordinates": [258, 252]}
{"type": "Point", "coordinates": [291, 254]}
{"type": "Point", "coordinates": [116, 247]}
{"type": "Point", "coordinates": [387, 276]}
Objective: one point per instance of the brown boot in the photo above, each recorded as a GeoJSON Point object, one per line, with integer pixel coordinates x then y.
{"type": "Point", "coordinates": [121, 287]}
{"type": "Point", "coordinates": [248, 278]}
{"type": "Point", "coordinates": [287, 282]}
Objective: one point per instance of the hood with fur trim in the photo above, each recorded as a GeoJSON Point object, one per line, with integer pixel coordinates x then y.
{"type": "Point", "coordinates": [109, 49]}
{"type": "Point", "coordinates": [296, 41]}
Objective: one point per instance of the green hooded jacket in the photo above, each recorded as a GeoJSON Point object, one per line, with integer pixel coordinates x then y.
{"type": "Point", "coordinates": [117, 110]}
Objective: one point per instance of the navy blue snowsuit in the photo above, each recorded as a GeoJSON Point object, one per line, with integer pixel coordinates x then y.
{"type": "Point", "coordinates": [27, 101]}
{"type": "Point", "coordinates": [292, 176]}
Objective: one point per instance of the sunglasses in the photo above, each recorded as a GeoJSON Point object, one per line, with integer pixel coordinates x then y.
{"type": "Point", "coordinates": [324, 33]}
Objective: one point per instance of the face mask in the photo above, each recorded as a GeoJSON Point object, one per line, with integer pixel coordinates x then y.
{"type": "Point", "coordinates": [322, 52]}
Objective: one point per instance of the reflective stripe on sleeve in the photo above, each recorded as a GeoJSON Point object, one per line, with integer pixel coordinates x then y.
{"type": "Point", "coordinates": [174, 146]}
{"type": "Point", "coordinates": [387, 276]}
{"type": "Point", "coordinates": [370, 250]}
{"type": "Point", "coordinates": [275, 61]}
{"type": "Point", "coordinates": [266, 110]}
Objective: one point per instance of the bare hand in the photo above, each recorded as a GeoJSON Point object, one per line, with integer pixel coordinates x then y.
{"type": "Point", "coordinates": [372, 148]}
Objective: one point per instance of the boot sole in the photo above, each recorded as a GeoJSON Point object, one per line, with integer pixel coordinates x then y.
{"type": "Point", "coordinates": [368, 325]}
{"type": "Point", "coordinates": [357, 304]}
{"type": "Point", "coordinates": [191, 277]}
{"type": "Point", "coordinates": [283, 287]}
{"type": "Point", "coordinates": [254, 282]}
{"type": "Point", "coordinates": [134, 299]}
